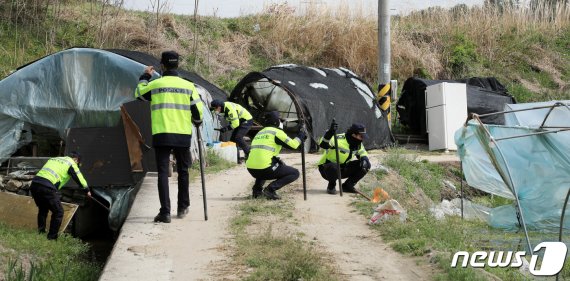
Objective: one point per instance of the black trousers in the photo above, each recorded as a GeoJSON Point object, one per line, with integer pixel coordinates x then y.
{"type": "Point", "coordinates": [48, 199]}
{"type": "Point", "coordinates": [283, 175]}
{"type": "Point", "coordinates": [240, 132]}
{"type": "Point", "coordinates": [350, 170]}
{"type": "Point", "coordinates": [183, 162]}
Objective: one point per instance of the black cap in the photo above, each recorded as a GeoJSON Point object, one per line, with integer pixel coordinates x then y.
{"type": "Point", "coordinates": [272, 118]}
{"type": "Point", "coordinates": [169, 59]}
{"type": "Point", "coordinates": [75, 154]}
{"type": "Point", "coordinates": [216, 103]}
{"type": "Point", "coordinates": [358, 128]}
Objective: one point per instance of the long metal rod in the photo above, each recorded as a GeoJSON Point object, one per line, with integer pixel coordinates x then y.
{"type": "Point", "coordinates": [202, 167]}
{"type": "Point", "coordinates": [525, 109]}
{"type": "Point", "coordinates": [301, 114]}
{"type": "Point", "coordinates": [532, 134]}
{"type": "Point", "coordinates": [461, 166]}
{"type": "Point", "coordinates": [303, 163]}
{"type": "Point", "coordinates": [337, 162]}
{"type": "Point", "coordinates": [562, 223]}
{"type": "Point", "coordinates": [100, 203]}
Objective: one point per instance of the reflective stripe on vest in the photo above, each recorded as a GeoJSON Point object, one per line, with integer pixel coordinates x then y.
{"type": "Point", "coordinates": [171, 101]}
{"type": "Point", "coordinates": [343, 151]}
{"type": "Point", "coordinates": [261, 146]}
{"type": "Point", "coordinates": [55, 175]}
{"type": "Point", "coordinates": [56, 171]}
{"type": "Point", "coordinates": [240, 113]}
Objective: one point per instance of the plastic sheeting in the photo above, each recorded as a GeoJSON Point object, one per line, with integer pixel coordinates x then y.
{"type": "Point", "coordinates": [74, 88]}
{"type": "Point", "coordinates": [536, 167]}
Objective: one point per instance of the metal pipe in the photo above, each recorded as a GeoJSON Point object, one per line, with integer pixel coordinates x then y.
{"type": "Point", "coordinates": [562, 223]}
{"type": "Point", "coordinates": [518, 110]}
{"type": "Point", "coordinates": [461, 166]}
{"type": "Point", "coordinates": [531, 134]}
{"type": "Point", "coordinates": [202, 167]}
{"type": "Point", "coordinates": [337, 162]}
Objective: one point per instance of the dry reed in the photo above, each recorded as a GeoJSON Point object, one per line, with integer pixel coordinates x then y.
{"type": "Point", "coordinates": [419, 40]}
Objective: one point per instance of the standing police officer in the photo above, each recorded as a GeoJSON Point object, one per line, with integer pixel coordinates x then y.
{"type": "Point", "coordinates": [349, 144]}
{"type": "Point", "coordinates": [174, 105]}
{"type": "Point", "coordinates": [45, 190]}
{"type": "Point", "coordinates": [240, 121]}
{"type": "Point", "coordinates": [263, 163]}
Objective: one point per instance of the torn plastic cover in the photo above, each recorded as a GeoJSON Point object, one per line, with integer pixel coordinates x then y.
{"type": "Point", "coordinates": [537, 166]}
{"type": "Point", "coordinates": [119, 199]}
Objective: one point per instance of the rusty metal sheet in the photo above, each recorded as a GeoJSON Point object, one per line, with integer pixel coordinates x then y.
{"type": "Point", "coordinates": [134, 141]}
{"type": "Point", "coordinates": [140, 114]}
{"type": "Point", "coordinates": [21, 211]}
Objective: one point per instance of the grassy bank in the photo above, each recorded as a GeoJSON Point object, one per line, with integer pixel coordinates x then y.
{"type": "Point", "coordinates": [267, 252]}
{"type": "Point", "coordinates": [528, 50]}
{"type": "Point", "coordinates": [417, 185]}
{"type": "Point", "coordinates": [30, 256]}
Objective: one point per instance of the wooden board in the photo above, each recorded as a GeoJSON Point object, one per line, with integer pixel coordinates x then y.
{"type": "Point", "coordinates": [21, 211]}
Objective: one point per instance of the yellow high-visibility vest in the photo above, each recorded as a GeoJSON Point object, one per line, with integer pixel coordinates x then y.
{"type": "Point", "coordinates": [55, 171]}
{"type": "Point", "coordinates": [171, 99]}
{"type": "Point", "coordinates": [264, 148]}
{"type": "Point", "coordinates": [343, 150]}
{"type": "Point", "coordinates": [235, 113]}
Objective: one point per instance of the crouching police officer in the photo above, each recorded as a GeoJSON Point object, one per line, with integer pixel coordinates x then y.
{"type": "Point", "coordinates": [349, 144]}
{"type": "Point", "coordinates": [240, 121]}
{"type": "Point", "coordinates": [263, 163]}
{"type": "Point", "coordinates": [45, 190]}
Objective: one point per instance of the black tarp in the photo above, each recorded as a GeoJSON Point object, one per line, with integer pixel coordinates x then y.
{"type": "Point", "coordinates": [484, 95]}
{"type": "Point", "coordinates": [321, 93]}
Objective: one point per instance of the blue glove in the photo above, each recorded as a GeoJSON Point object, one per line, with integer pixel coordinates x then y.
{"type": "Point", "coordinates": [365, 163]}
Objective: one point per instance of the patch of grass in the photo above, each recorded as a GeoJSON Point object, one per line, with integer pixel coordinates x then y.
{"type": "Point", "coordinates": [421, 233]}
{"type": "Point", "coordinates": [214, 164]}
{"type": "Point", "coordinates": [422, 174]}
{"type": "Point", "coordinates": [33, 257]}
{"type": "Point", "coordinates": [271, 255]}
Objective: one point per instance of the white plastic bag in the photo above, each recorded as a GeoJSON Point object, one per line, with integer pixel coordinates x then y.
{"type": "Point", "coordinates": [387, 210]}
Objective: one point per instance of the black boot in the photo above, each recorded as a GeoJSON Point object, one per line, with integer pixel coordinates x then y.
{"type": "Point", "coordinates": [256, 192]}
{"type": "Point", "coordinates": [331, 188]}
{"type": "Point", "coordinates": [271, 194]}
{"type": "Point", "coordinates": [165, 218]}
{"type": "Point", "coordinates": [348, 188]}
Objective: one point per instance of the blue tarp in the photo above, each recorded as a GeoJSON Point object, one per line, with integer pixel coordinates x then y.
{"type": "Point", "coordinates": [535, 167]}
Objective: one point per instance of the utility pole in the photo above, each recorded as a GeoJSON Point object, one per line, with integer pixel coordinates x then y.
{"type": "Point", "coordinates": [384, 67]}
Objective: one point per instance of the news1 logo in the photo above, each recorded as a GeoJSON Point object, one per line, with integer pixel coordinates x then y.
{"type": "Point", "coordinates": [552, 260]}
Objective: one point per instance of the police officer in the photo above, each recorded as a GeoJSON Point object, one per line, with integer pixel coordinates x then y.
{"type": "Point", "coordinates": [174, 105]}
{"type": "Point", "coordinates": [349, 145]}
{"type": "Point", "coordinates": [239, 118]}
{"type": "Point", "coordinates": [263, 163]}
{"type": "Point", "coordinates": [45, 189]}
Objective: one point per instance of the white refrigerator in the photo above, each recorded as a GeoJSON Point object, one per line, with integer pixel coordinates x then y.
{"type": "Point", "coordinates": [446, 112]}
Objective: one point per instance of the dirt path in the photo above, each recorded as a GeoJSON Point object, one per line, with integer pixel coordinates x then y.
{"type": "Point", "coordinates": [193, 249]}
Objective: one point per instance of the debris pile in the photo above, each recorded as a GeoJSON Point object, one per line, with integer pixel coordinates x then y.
{"type": "Point", "coordinates": [17, 182]}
